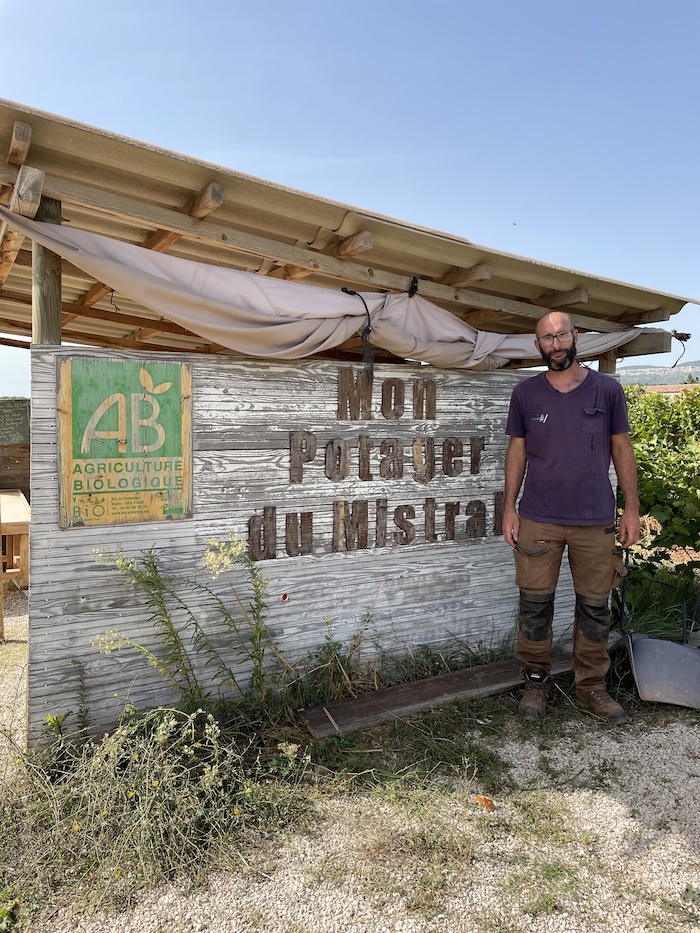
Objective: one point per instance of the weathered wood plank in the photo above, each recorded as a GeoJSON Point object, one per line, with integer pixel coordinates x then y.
{"type": "Point", "coordinates": [405, 700]}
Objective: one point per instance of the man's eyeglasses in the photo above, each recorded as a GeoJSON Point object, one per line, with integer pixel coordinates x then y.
{"type": "Point", "coordinates": [564, 336]}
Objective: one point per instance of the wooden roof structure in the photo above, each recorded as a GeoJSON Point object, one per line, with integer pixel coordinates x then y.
{"type": "Point", "coordinates": [161, 200]}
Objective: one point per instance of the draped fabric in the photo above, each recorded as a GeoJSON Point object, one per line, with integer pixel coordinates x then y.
{"type": "Point", "coordinates": [259, 316]}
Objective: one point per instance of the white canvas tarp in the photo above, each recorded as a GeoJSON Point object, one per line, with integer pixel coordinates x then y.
{"type": "Point", "coordinates": [267, 317]}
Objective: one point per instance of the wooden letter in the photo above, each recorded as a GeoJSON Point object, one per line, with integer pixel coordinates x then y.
{"type": "Point", "coordinates": [380, 537]}
{"type": "Point", "coordinates": [337, 460]}
{"type": "Point", "coordinates": [423, 459]}
{"type": "Point", "coordinates": [452, 448]}
{"type": "Point", "coordinates": [477, 445]}
{"type": "Point", "coordinates": [302, 449]}
{"type": "Point", "coordinates": [451, 512]}
{"type": "Point", "coordinates": [393, 398]}
{"type": "Point", "coordinates": [350, 528]}
{"type": "Point", "coordinates": [429, 507]}
{"type": "Point", "coordinates": [407, 533]}
{"type": "Point", "coordinates": [354, 398]}
{"type": "Point", "coordinates": [262, 534]}
{"type": "Point", "coordinates": [476, 523]}
{"type": "Point", "coordinates": [425, 399]}
{"type": "Point", "coordinates": [365, 445]}
{"type": "Point", "coordinates": [391, 464]}
{"type": "Point", "coordinates": [297, 543]}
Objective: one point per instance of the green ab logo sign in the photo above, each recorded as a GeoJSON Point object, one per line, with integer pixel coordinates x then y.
{"type": "Point", "coordinates": [144, 410]}
{"type": "Point", "coordinates": [125, 430]}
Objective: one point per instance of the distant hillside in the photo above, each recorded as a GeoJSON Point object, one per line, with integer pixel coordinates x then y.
{"type": "Point", "coordinates": [659, 375]}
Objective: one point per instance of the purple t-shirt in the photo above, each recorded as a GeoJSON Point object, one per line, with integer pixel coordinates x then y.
{"type": "Point", "coordinates": [567, 440]}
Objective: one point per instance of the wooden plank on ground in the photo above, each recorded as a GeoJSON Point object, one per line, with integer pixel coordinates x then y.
{"type": "Point", "coordinates": [403, 700]}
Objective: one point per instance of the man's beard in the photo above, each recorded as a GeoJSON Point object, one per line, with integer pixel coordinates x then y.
{"type": "Point", "coordinates": [559, 365]}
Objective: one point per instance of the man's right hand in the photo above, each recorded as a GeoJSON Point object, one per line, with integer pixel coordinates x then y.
{"type": "Point", "coordinates": [511, 526]}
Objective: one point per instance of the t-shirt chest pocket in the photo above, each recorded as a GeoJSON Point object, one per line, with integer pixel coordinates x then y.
{"type": "Point", "coordinates": [594, 419]}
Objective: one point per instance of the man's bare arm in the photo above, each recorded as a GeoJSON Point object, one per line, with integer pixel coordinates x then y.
{"type": "Point", "coordinates": [626, 469]}
{"type": "Point", "coordinates": [516, 461]}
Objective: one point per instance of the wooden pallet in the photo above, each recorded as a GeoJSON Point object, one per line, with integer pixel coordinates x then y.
{"type": "Point", "coordinates": [404, 700]}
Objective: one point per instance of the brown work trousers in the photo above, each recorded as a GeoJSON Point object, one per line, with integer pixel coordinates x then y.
{"type": "Point", "coordinates": [596, 567]}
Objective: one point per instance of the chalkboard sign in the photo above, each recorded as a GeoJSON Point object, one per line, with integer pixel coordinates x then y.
{"type": "Point", "coordinates": [14, 421]}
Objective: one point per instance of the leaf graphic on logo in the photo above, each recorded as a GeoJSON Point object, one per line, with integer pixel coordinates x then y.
{"type": "Point", "coordinates": [163, 387]}
{"type": "Point", "coordinates": [146, 380]}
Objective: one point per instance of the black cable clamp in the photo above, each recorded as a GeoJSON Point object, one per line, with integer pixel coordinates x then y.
{"type": "Point", "coordinates": [682, 338]}
{"type": "Point", "coordinates": [367, 351]}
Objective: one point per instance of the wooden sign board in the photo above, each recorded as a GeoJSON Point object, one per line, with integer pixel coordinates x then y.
{"type": "Point", "coordinates": [320, 459]}
{"type": "Point", "coordinates": [125, 441]}
{"type": "Point", "coordinates": [372, 505]}
{"type": "Point", "coordinates": [14, 421]}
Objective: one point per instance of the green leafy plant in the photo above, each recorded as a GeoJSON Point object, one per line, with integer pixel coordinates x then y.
{"type": "Point", "coordinates": [665, 433]}
{"type": "Point", "coordinates": [166, 793]}
{"type": "Point", "coordinates": [182, 637]}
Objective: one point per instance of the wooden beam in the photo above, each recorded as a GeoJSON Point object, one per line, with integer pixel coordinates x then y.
{"type": "Point", "coordinates": [19, 327]}
{"type": "Point", "coordinates": [7, 342]}
{"type": "Point", "coordinates": [390, 703]}
{"type": "Point", "coordinates": [46, 282]}
{"type": "Point", "coordinates": [607, 362]}
{"type": "Point", "coordinates": [650, 340]}
{"type": "Point", "coordinates": [25, 200]}
{"type": "Point", "coordinates": [563, 299]}
{"type": "Point", "coordinates": [19, 143]}
{"type": "Point", "coordinates": [461, 278]}
{"type": "Point", "coordinates": [24, 258]}
{"type": "Point", "coordinates": [645, 317]}
{"type": "Point", "coordinates": [72, 311]}
{"type": "Point", "coordinates": [228, 238]}
{"type": "Point", "coordinates": [342, 249]}
{"type": "Point", "coordinates": [206, 202]}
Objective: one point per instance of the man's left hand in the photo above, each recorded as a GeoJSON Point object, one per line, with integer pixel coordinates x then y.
{"type": "Point", "coordinates": [630, 529]}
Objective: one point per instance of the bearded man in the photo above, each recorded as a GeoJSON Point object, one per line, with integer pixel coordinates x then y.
{"type": "Point", "coordinates": [565, 425]}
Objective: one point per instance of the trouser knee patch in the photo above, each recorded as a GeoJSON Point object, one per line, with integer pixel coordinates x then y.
{"type": "Point", "coordinates": [593, 618]}
{"type": "Point", "coordinates": [535, 615]}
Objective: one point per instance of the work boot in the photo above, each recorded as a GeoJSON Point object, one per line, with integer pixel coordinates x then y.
{"type": "Point", "coordinates": [600, 702]}
{"type": "Point", "coordinates": [533, 704]}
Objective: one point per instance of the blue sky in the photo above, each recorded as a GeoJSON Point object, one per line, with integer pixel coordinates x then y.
{"type": "Point", "coordinates": [563, 130]}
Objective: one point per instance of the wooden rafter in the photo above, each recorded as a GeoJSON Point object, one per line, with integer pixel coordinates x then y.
{"type": "Point", "coordinates": [342, 249]}
{"type": "Point", "coordinates": [71, 311]}
{"type": "Point", "coordinates": [26, 196]}
{"type": "Point", "coordinates": [461, 278]}
{"type": "Point", "coordinates": [645, 317]}
{"type": "Point", "coordinates": [22, 344]}
{"type": "Point", "coordinates": [206, 202]}
{"type": "Point", "coordinates": [563, 299]}
{"type": "Point", "coordinates": [19, 143]}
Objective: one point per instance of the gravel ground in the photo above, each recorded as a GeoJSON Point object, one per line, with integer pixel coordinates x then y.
{"type": "Point", "coordinates": [599, 832]}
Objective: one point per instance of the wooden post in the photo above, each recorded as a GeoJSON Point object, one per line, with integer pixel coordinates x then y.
{"type": "Point", "coordinates": [46, 282]}
{"type": "Point", "coordinates": [607, 362]}
{"type": "Point", "coordinates": [2, 586]}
